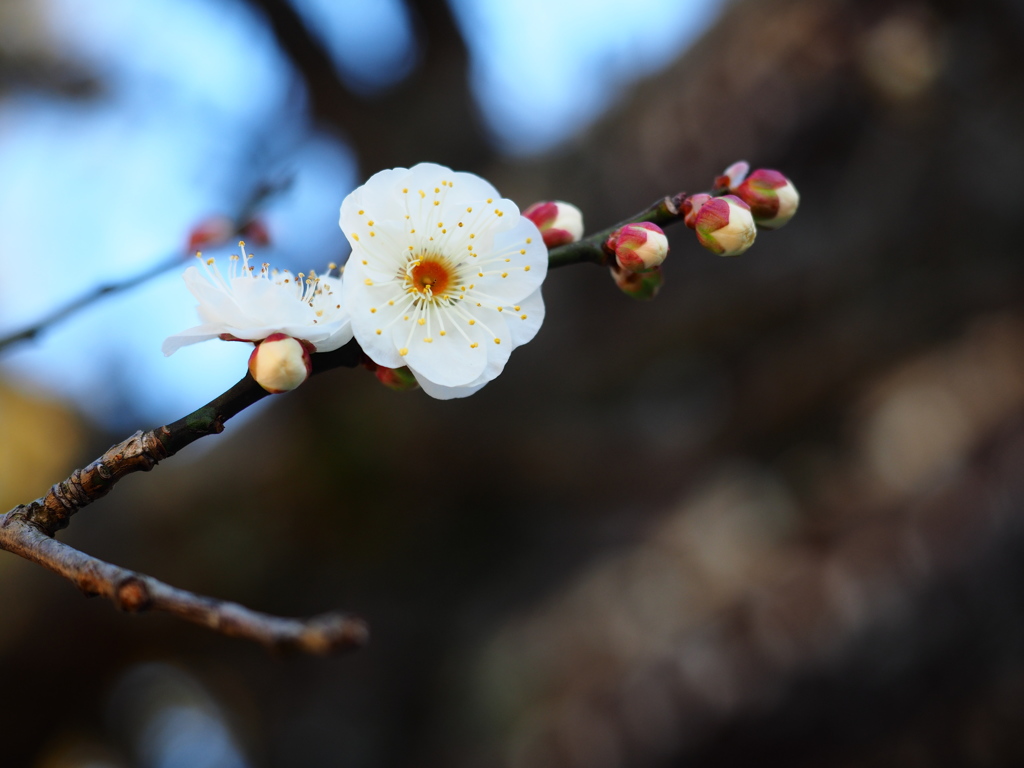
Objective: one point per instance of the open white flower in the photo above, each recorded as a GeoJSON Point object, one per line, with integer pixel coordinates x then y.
{"type": "Point", "coordinates": [251, 305]}
{"type": "Point", "coordinates": [444, 276]}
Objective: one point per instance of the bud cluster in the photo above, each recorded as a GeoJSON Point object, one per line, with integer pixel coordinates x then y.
{"type": "Point", "coordinates": [726, 221]}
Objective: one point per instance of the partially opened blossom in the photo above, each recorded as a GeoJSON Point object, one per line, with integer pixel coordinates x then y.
{"type": "Point", "coordinates": [444, 276]}
{"type": "Point", "coordinates": [251, 304]}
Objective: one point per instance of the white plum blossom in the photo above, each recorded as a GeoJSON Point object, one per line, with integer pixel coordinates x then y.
{"type": "Point", "coordinates": [444, 276]}
{"type": "Point", "coordinates": [250, 305]}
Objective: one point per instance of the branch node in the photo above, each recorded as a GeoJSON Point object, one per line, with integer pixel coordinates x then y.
{"type": "Point", "coordinates": [132, 595]}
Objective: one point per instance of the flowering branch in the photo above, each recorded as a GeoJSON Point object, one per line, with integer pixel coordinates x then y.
{"type": "Point", "coordinates": [28, 530]}
{"type": "Point", "coordinates": [438, 291]}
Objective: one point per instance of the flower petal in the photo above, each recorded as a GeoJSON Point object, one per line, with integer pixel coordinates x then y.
{"type": "Point", "coordinates": [526, 319]}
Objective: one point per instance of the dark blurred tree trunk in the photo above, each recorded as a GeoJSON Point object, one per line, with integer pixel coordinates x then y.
{"type": "Point", "coordinates": [431, 115]}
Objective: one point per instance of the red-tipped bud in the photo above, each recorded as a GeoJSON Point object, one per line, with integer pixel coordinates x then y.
{"type": "Point", "coordinates": [559, 223]}
{"type": "Point", "coordinates": [772, 198]}
{"type": "Point", "coordinates": [255, 231]}
{"type": "Point", "coordinates": [213, 231]}
{"type": "Point", "coordinates": [639, 247]}
{"type": "Point", "coordinates": [732, 176]}
{"type": "Point", "coordinates": [398, 379]}
{"type": "Point", "coordinates": [725, 226]}
{"type": "Point", "coordinates": [280, 363]}
{"type": "Point", "coordinates": [642, 286]}
{"type": "Point", "coordinates": [690, 206]}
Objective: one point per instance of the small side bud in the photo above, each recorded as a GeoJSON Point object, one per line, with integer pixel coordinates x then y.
{"type": "Point", "coordinates": [398, 379]}
{"type": "Point", "coordinates": [732, 176]}
{"type": "Point", "coordinates": [212, 231]}
{"type": "Point", "coordinates": [639, 247]}
{"type": "Point", "coordinates": [642, 286]}
{"type": "Point", "coordinates": [772, 198]}
{"type": "Point", "coordinates": [560, 223]}
{"type": "Point", "coordinates": [691, 205]}
{"type": "Point", "coordinates": [725, 226]}
{"type": "Point", "coordinates": [280, 363]}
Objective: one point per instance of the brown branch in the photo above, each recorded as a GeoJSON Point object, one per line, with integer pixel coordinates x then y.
{"type": "Point", "coordinates": [28, 530]}
{"type": "Point", "coordinates": [135, 592]}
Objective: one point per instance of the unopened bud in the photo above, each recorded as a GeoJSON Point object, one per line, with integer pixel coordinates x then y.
{"type": "Point", "coordinates": [398, 379]}
{"type": "Point", "coordinates": [724, 226]}
{"type": "Point", "coordinates": [280, 363]}
{"type": "Point", "coordinates": [639, 247]}
{"type": "Point", "coordinates": [210, 232]}
{"type": "Point", "coordinates": [732, 176]}
{"type": "Point", "coordinates": [642, 286]}
{"type": "Point", "coordinates": [560, 223]}
{"type": "Point", "coordinates": [771, 196]}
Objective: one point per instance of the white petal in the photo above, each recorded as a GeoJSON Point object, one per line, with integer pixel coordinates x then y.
{"type": "Point", "coordinates": [189, 336]}
{"type": "Point", "coordinates": [379, 197]}
{"type": "Point", "coordinates": [509, 282]}
{"type": "Point", "coordinates": [447, 393]}
{"type": "Point", "coordinates": [524, 323]}
{"type": "Point", "coordinates": [452, 359]}
{"type": "Point", "coordinates": [360, 299]}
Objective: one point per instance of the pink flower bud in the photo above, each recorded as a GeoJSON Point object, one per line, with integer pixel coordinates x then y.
{"type": "Point", "coordinates": [398, 379]}
{"type": "Point", "coordinates": [639, 247]}
{"type": "Point", "coordinates": [212, 231]}
{"type": "Point", "coordinates": [732, 176]}
{"type": "Point", "coordinates": [771, 196]}
{"type": "Point", "coordinates": [691, 205]}
{"type": "Point", "coordinates": [725, 226]}
{"type": "Point", "coordinates": [280, 363]}
{"type": "Point", "coordinates": [642, 286]}
{"type": "Point", "coordinates": [559, 223]}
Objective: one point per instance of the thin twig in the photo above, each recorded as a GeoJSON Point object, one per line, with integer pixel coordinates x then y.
{"type": "Point", "coordinates": [663, 212]}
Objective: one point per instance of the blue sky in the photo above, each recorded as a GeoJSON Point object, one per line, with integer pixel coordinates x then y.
{"type": "Point", "coordinates": [96, 194]}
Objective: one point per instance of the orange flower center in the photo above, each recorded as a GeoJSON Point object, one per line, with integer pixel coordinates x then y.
{"type": "Point", "coordinates": [431, 273]}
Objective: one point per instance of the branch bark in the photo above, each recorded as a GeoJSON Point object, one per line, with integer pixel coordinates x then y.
{"type": "Point", "coordinates": [134, 592]}
{"type": "Point", "coordinates": [28, 531]}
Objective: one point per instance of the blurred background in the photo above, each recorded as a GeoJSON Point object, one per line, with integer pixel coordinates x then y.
{"type": "Point", "coordinates": [777, 513]}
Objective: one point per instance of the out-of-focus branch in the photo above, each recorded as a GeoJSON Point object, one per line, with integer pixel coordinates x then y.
{"type": "Point", "coordinates": [248, 209]}
{"type": "Point", "coordinates": [28, 530]}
